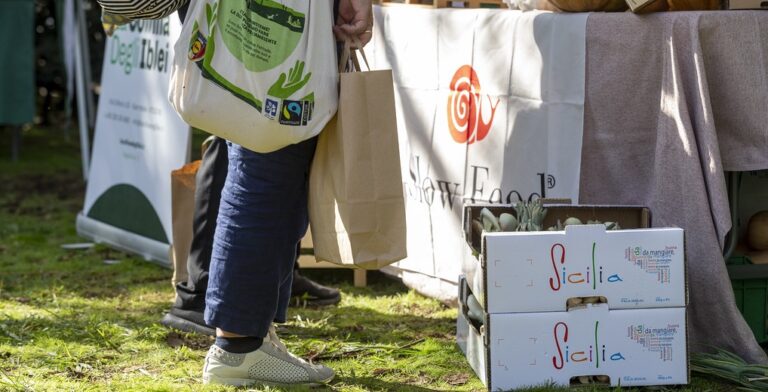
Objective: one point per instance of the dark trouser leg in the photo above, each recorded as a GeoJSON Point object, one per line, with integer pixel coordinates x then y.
{"type": "Point", "coordinates": [187, 312]}
{"type": "Point", "coordinates": [209, 183]}
{"type": "Point", "coordinates": [262, 217]}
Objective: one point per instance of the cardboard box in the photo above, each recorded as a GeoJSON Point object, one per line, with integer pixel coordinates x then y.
{"type": "Point", "coordinates": [637, 347]}
{"type": "Point", "coordinates": [637, 5]}
{"type": "Point", "coordinates": [470, 335]}
{"type": "Point", "coordinates": [747, 4]}
{"type": "Point", "coordinates": [540, 271]}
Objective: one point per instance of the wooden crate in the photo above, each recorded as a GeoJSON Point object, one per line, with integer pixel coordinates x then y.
{"type": "Point", "coordinates": [307, 260]}
{"type": "Point", "coordinates": [446, 3]}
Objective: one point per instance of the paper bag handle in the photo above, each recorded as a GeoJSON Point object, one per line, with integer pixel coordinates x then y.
{"type": "Point", "coordinates": [348, 54]}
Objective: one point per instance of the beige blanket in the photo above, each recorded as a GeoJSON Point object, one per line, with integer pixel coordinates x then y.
{"type": "Point", "coordinates": [674, 100]}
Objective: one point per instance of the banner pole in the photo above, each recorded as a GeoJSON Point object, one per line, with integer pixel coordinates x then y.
{"type": "Point", "coordinates": [88, 74]}
{"type": "Point", "coordinates": [82, 95]}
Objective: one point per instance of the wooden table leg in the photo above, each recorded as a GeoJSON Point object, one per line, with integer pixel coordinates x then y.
{"type": "Point", "coordinates": [361, 277]}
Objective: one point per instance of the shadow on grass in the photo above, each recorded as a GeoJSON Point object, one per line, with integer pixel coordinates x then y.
{"type": "Point", "coordinates": [370, 384]}
{"type": "Point", "coordinates": [108, 325]}
{"type": "Point", "coordinates": [365, 325]}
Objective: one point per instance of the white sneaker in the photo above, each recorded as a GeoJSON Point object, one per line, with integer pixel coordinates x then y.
{"type": "Point", "coordinates": [270, 365]}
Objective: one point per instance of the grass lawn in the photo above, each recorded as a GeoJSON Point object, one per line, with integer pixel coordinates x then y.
{"type": "Point", "coordinates": [71, 322]}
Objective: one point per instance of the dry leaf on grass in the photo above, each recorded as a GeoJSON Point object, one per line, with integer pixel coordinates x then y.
{"type": "Point", "coordinates": [174, 340]}
{"type": "Point", "coordinates": [457, 379]}
{"type": "Point", "coordinates": [196, 342]}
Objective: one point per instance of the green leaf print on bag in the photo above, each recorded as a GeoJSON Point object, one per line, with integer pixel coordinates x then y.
{"type": "Point", "coordinates": [284, 87]}
{"type": "Point", "coordinates": [259, 33]}
{"type": "Point", "coordinates": [209, 14]}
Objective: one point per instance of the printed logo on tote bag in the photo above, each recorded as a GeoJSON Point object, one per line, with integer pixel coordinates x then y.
{"type": "Point", "coordinates": [296, 113]}
{"type": "Point", "coordinates": [197, 46]}
{"type": "Point", "coordinates": [270, 108]}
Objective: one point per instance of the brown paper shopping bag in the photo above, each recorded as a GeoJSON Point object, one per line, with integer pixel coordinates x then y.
{"type": "Point", "coordinates": [356, 201]}
{"type": "Point", "coordinates": [182, 211]}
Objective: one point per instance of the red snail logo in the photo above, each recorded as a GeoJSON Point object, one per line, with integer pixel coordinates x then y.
{"type": "Point", "coordinates": [465, 108]}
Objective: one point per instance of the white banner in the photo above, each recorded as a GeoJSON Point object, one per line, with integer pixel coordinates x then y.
{"type": "Point", "coordinates": [139, 140]}
{"type": "Point", "coordinates": [490, 109]}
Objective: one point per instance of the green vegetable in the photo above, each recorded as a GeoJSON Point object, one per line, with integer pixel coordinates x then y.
{"type": "Point", "coordinates": [612, 226]}
{"type": "Point", "coordinates": [475, 310]}
{"type": "Point", "coordinates": [731, 367]}
{"type": "Point", "coordinates": [575, 221]}
{"type": "Point", "coordinates": [572, 221]}
{"type": "Point", "coordinates": [530, 216]}
{"type": "Point", "coordinates": [508, 222]}
{"type": "Point", "coordinates": [490, 222]}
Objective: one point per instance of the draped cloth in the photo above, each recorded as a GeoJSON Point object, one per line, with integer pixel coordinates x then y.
{"type": "Point", "coordinates": [673, 100]}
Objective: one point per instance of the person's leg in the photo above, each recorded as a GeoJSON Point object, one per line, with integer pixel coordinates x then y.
{"type": "Point", "coordinates": [262, 217]}
{"type": "Point", "coordinates": [210, 182]}
{"type": "Point", "coordinates": [186, 314]}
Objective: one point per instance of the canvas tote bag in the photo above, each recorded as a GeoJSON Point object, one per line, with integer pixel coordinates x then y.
{"type": "Point", "coordinates": [356, 200]}
{"type": "Point", "coordinates": [259, 73]}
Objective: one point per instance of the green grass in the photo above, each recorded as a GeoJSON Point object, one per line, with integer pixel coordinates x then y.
{"type": "Point", "coordinates": [71, 322]}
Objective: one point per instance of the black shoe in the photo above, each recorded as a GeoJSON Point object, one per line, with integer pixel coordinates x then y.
{"type": "Point", "coordinates": [187, 321]}
{"type": "Point", "coordinates": [307, 292]}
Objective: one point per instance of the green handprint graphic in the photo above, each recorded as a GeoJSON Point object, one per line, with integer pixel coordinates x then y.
{"type": "Point", "coordinates": [285, 86]}
{"type": "Point", "coordinates": [259, 44]}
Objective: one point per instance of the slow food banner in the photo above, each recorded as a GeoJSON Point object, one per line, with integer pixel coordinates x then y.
{"type": "Point", "coordinates": [490, 109]}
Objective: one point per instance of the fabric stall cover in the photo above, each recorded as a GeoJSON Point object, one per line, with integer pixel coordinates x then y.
{"type": "Point", "coordinates": [17, 70]}
{"type": "Point", "coordinates": [670, 141]}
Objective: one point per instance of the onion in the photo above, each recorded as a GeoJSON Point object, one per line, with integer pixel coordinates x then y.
{"type": "Point", "coordinates": [757, 231]}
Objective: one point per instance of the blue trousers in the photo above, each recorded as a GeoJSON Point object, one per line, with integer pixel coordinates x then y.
{"type": "Point", "coordinates": [262, 217]}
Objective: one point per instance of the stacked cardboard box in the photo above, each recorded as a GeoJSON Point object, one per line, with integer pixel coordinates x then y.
{"type": "Point", "coordinates": [584, 305]}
